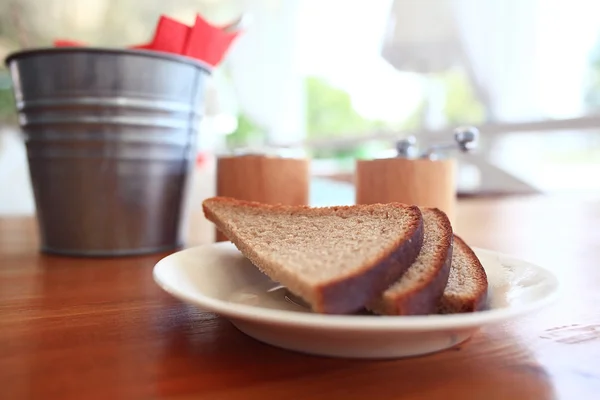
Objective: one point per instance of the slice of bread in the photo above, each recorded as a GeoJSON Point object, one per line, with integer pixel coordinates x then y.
{"type": "Point", "coordinates": [419, 290]}
{"type": "Point", "coordinates": [467, 286]}
{"type": "Point", "coordinates": [337, 259]}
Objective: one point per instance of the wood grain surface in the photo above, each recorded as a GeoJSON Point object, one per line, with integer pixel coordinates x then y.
{"type": "Point", "coordinates": [424, 182]}
{"type": "Point", "coordinates": [271, 180]}
{"type": "Point", "coordinates": [101, 329]}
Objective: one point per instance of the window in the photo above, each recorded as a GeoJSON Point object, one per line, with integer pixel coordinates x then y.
{"type": "Point", "coordinates": [348, 77]}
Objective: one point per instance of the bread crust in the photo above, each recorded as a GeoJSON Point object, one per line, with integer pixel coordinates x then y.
{"type": "Point", "coordinates": [425, 294]}
{"type": "Point", "coordinates": [347, 294]}
{"type": "Point", "coordinates": [477, 300]}
{"type": "Point", "coordinates": [367, 284]}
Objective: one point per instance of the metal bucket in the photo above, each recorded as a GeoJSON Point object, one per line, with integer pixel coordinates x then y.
{"type": "Point", "coordinates": [111, 137]}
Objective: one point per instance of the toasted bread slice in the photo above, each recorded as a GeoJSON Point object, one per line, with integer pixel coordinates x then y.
{"type": "Point", "coordinates": [336, 259]}
{"type": "Point", "coordinates": [419, 290]}
{"type": "Point", "coordinates": [467, 286]}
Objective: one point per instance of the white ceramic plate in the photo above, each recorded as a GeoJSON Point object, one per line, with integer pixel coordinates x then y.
{"type": "Point", "coordinates": [218, 278]}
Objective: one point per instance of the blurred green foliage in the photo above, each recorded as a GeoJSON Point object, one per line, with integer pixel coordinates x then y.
{"type": "Point", "coordinates": [592, 95]}
{"type": "Point", "coordinates": [330, 113]}
{"type": "Point", "coordinates": [246, 133]}
{"type": "Point", "coordinates": [7, 102]}
{"type": "Point", "coordinates": [462, 105]}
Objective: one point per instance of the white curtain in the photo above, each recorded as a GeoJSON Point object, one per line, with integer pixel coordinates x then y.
{"type": "Point", "coordinates": [16, 195]}
{"type": "Point", "coordinates": [528, 56]}
{"type": "Point", "coordinates": [529, 59]}
{"type": "Point", "coordinates": [267, 80]}
{"type": "Point", "coordinates": [498, 39]}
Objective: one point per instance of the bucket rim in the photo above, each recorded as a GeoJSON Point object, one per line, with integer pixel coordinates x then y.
{"type": "Point", "coordinates": [19, 54]}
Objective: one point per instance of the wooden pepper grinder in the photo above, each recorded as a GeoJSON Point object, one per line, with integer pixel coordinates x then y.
{"type": "Point", "coordinates": [426, 180]}
{"type": "Point", "coordinates": [264, 178]}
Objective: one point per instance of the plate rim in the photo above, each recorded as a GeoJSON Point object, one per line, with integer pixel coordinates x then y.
{"type": "Point", "coordinates": [252, 313]}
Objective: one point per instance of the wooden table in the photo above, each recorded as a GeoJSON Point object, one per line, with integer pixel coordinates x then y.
{"type": "Point", "coordinates": [85, 328]}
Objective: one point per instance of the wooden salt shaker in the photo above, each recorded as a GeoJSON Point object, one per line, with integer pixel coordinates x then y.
{"type": "Point", "coordinates": [423, 182]}
{"type": "Point", "coordinates": [426, 180]}
{"type": "Point", "coordinates": [263, 178]}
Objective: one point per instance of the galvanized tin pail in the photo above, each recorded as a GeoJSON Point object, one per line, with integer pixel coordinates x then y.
{"type": "Point", "coordinates": [110, 138]}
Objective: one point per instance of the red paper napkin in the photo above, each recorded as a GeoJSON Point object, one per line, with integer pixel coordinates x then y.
{"type": "Point", "coordinates": [67, 43]}
{"type": "Point", "coordinates": [170, 36]}
{"type": "Point", "coordinates": [201, 41]}
{"type": "Point", "coordinates": [208, 43]}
